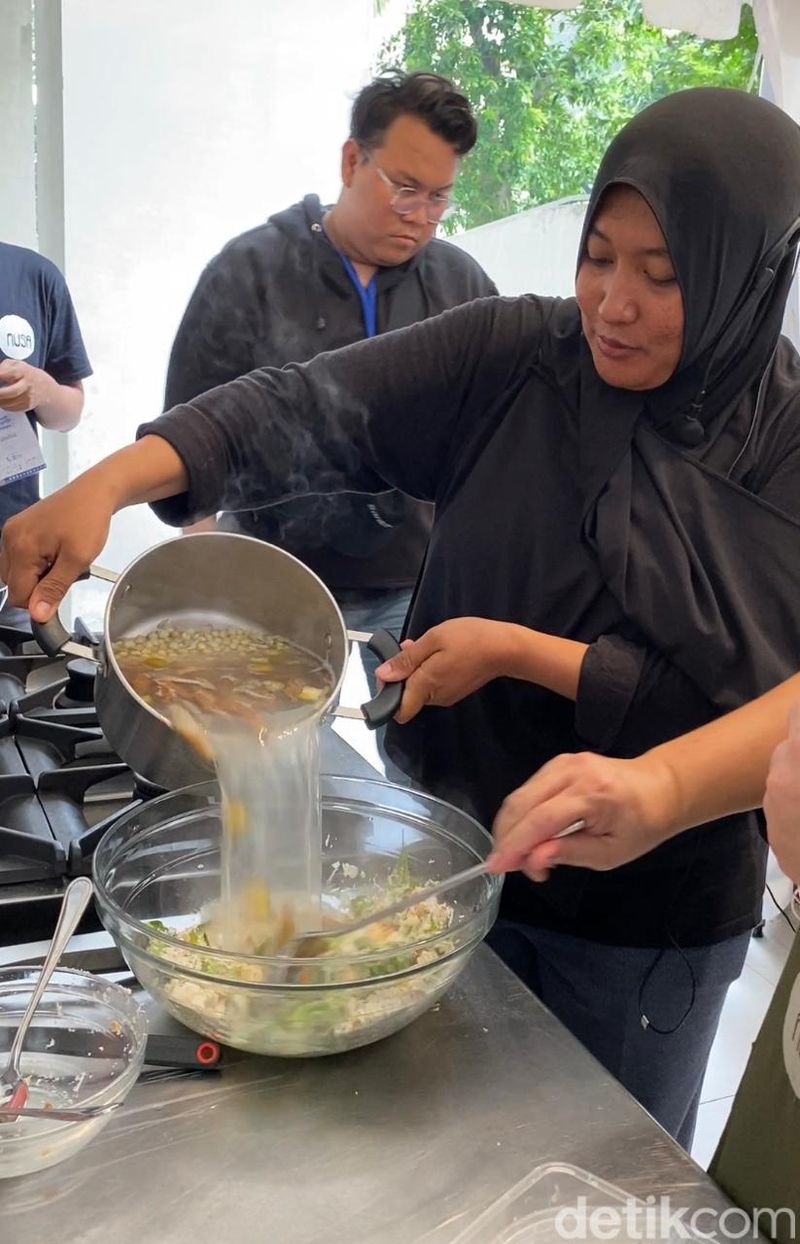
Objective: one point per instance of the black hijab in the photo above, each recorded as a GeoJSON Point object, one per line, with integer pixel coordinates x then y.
{"type": "Point", "coordinates": [704, 567]}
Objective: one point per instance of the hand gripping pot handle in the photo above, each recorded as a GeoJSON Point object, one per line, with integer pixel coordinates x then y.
{"type": "Point", "coordinates": [54, 638]}
{"type": "Point", "coordinates": [382, 708]}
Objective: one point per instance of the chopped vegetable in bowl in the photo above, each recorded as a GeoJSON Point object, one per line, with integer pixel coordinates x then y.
{"type": "Point", "coordinates": [364, 955]}
{"type": "Point", "coordinates": [157, 877]}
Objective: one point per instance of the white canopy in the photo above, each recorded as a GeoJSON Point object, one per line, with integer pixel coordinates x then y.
{"type": "Point", "coordinates": [711, 19]}
{"type": "Point", "coordinates": [777, 23]}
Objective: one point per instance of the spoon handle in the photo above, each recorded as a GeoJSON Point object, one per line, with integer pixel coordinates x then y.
{"type": "Point", "coordinates": [419, 896]}
{"type": "Point", "coordinates": [408, 900]}
{"type": "Point", "coordinates": [76, 898]}
{"type": "Point", "coordinates": [440, 887]}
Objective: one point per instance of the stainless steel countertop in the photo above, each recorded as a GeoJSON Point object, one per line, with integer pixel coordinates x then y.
{"type": "Point", "coordinates": [404, 1142]}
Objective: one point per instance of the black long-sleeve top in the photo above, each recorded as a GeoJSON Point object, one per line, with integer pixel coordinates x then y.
{"type": "Point", "coordinates": [469, 411]}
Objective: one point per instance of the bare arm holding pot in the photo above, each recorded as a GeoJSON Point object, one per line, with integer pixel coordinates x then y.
{"type": "Point", "coordinates": [358, 419]}
{"type": "Point", "coordinates": [45, 548]}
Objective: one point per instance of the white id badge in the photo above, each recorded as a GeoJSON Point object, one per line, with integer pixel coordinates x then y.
{"type": "Point", "coordinates": [20, 451]}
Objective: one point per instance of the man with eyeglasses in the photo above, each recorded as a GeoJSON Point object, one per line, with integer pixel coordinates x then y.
{"type": "Point", "coordinates": [313, 279]}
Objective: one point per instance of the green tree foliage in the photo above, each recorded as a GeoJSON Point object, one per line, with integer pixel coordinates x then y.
{"type": "Point", "coordinates": [552, 88]}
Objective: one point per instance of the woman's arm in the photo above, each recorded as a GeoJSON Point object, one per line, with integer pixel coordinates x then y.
{"type": "Point", "coordinates": [388, 412]}
{"type": "Point", "coordinates": [630, 806]}
{"type": "Point", "coordinates": [782, 801]}
{"type": "Point", "coordinates": [626, 695]}
{"type": "Point", "coordinates": [46, 547]}
{"type": "Point", "coordinates": [459, 656]}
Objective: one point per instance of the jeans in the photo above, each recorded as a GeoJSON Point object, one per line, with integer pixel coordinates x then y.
{"type": "Point", "coordinates": [601, 992]}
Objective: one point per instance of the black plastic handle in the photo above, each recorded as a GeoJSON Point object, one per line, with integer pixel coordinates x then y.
{"type": "Point", "coordinates": [183, 1050]}
{"type": "Point", "coordinates": [53, 635]}
{"type": "Point", "coordinates": [50, 636]}
{"type": "Point", "coordinates": [385, 704]}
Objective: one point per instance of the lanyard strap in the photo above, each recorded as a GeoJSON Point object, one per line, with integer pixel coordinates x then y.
{"type": "Point", "coordinates": [368, 296]}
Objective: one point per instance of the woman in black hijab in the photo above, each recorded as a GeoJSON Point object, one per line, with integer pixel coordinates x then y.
{"type": "Point", "coordinates": [616, 553]}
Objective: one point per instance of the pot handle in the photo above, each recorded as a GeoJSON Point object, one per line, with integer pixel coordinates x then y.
{"type": "Point", "coordinates": [54, 638]}
{"type": "Point", "coordinates": [382, 708]}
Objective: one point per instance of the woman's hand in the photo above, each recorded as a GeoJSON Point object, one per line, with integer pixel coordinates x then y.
{"type": "Point", "coordinates": [628, 806]}
{"type": "Point", "coordinates": [782, 800]}
{"type": "Point", "coordinates": [45, 549]}
{"type": "Point", "coordinates": [452, 660]}
{"type": "Point", "coordinates": [447, 663]}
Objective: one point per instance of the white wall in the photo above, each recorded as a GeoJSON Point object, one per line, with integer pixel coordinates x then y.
{"type": "Point", "coordinates": [778, 25]}
{"type": "Point", "coordinates": [185, 122]}
{"type": "Point", "coordinates": [533, 252]}
{"type": "Point", "coordinates": [17, 184]}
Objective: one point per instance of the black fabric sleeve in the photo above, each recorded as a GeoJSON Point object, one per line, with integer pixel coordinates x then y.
{"type": "Point", "coordinates": [631, 698]}
{"type": "Point", "coordinates": [214, 341]}
{"type": "Point", "coordinates": [608, 681]}
{"type": "Point", "coordinates": [65, 357]}
{"type": "Point", "coordinates": [388, 412]}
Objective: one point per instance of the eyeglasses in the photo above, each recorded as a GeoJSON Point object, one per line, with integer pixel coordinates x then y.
{"type": "Point", "coordinates": [405, 199]}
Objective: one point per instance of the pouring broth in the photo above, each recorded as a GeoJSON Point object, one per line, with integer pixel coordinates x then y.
{"type": "Point", "coordinates": [235, 695]}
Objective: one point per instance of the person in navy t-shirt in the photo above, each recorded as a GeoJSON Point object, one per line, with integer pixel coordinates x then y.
{"type": "Point", "coordinates": [42, 356]}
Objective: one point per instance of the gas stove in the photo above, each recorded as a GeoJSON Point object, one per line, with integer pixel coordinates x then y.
{"type": "Point", "coordinates": [61, 784]}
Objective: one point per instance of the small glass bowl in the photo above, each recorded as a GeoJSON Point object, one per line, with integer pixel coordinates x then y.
{"type": "Point", "coordinates": [84, 1048]}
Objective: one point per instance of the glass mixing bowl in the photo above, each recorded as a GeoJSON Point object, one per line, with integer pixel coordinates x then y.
{"type": "Point", "coordinates": [85, 1047]}
{"type": "Point", "coordinates": [162, 862]}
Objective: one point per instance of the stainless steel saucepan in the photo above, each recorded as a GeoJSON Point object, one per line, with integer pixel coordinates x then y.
{"type": "Point", "coordinates": [212, 579]}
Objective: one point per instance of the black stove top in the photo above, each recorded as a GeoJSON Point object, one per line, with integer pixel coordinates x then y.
{"type": "Point", "coordinates": [61, 785]}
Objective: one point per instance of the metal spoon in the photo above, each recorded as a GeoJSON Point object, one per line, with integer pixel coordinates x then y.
{"type": "Point", "coordinates": [308, 945]}
{"type": "Point", "coordinates": [8, 1113]}
{"type": "Point", "coordinates": [13, 1089]}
